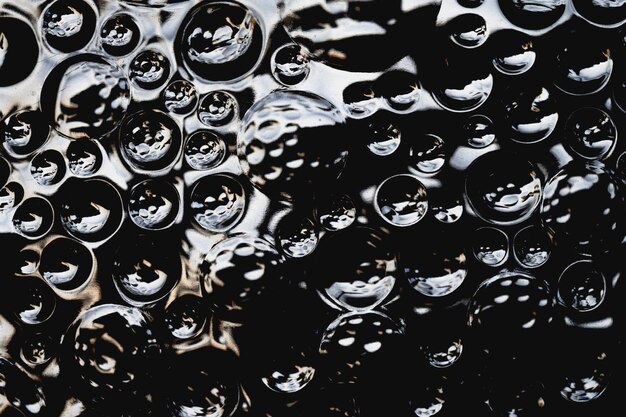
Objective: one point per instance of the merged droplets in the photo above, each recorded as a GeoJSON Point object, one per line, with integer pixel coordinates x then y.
{"type": "Point", "coordinates": [531, 14]}
{"type": "Point", "coordinates": [218, 108]}
{"type": "Point", "coordinates": [221, 41]}
{"type": "Point", "coordinates": [120, 34]}
{"type": "Point", "coordinates": [490, 246]}
{"type": "Point", "coordinates": [468, 30]}
{"type": "Point", "coordinates": [581, 286]}
{"type": "Point", "coordinates": [336, 212]}
{"type": "Point", "coordinates": [479, 131]}
{"type": "Point", "coordinates": [34, 217]}
{"type": "Point", "coordinates": [19, 50]}
{"type": "Point", "coordinates": [153, 204]}
{"type": "Point", "coordinates": [297, 235]}
{"type": "Point", "coordinates": [24, 131]}
{"type": "Point", "coordinates": [590, 133]}
{"type": "Point", "coordinates": [363, 272]}
{"type": "Point", "coordinates": [150, 141]}
{"type": "Point", "coordinates": [290, 64]}
{"type": "Point", "coordinates": [530, 113]}
{"type": "Point", "coordinates": [149, 70]}
{"type": "Point", "coordinates": [502, 188]}
{"type": "Point", "coordinates": [84, 157]}
{"type": "Point", "coordinates": [180, 97]}
{"type": "Point", "coordinates": [68, 25]}
{"type": "Point", "coordinates": [217, 202]}
{"type": "Point", "coordinates": [401, 200]}
{"type": "Point", "coordinates": [426, 154]}
{"type": "Point", "coordinates": [204, 150]}
{"type": "Point", "coordinates": [66, 264]}
{"type": "Point", "coordinates": [532, 246]}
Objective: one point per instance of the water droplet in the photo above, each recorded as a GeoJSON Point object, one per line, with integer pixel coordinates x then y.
{"type": "Point", "coordinates": [218, 202]}
{"type": "Point", "coordinates": [149, 70]}
{"type": "Point", "coordinates": [478, 131]}
{"type": "Point", "coordinates": [204, 150]}
{"type": "Point", "coordinates": [218, 108]}
{"type": "Point", "coordinates": [607, 13]}
{"type": "Point", "coordinates": [590, 133]}
{"type": "Point", "coordinates": [279, 143]}
{"type": "Point", "coordinates": [401, 90]}
{"type": "Point", "coordinates": [153, 204]}
{"type": "Point", "coordinates": [445, 206]}
{"type": "Point", "coordinates": [502, 188]}
{"type": "Point", "coordinates": [443, 355]}
{"type": "Point", "coordinates": [37, 349]}
{"type": "Point", "coordinates": [185, 317]}
{"type": "Point", "coordinates": [68, 25]}
{"type": "Point", "coordinates": [145, 270]}
{"type": "Point", "coordinates": [19, 50]}
{"type": "Point", "coordinates": [515, 53]}
{"type": "Point", "coordinates": [297, 235]}
{"type": "Point", "coordinates": [336, 213]}
{"type": "Point", "coordinates": [427, 154]}
{"type": "Point", "coordinates": [66, 264]}
{"type": "Point", "coordinates": [34, 217]}
{"type": "Point", "coordinates": [150, 140]}
{"type": "Point", "coordinates": [583, 65]}
{"type": "Point", "coordinates": [468, 30]}
{"type": "Point", "coordinates": [10, 196]}
{"type": "Point", "coordinates": [581, 286]}
{"type": "Point", "coordinates": [85, 97]}
{"type": "Point", "coordinates": [84, 157]}
{"type": "Point", "coordinates": [290, 64]}
{"type": "Point", "coordinates": [19, 390]}
{"type": "Point", "coordinates": [383, 135]}
{"type": "Point", "coordinates": [180, 97]}
{"type": "Point", "coordinates": [470, 4]}
{"type": "Point", "coordinates": [582, 208]}
{"type": "Point", "coordinates": [490, 246]}
{"type": "Point", "coordinates": [33, 301]}
{"type": "Point", "coordinates": [120, 34]}
{"type": "Point", "coordinates": [221, 41]}
{"type": "Point", "coordinates": [401, 200]}
{"type": "Point", "coordinates": [360, 100]}
{"type": "Point", "coordinates": [27, 262]}
{"type": "Point", "coordinates": [48, 167]}
{"type": "Point", "coordinates": [532, 246]}
{"type": "Point", "coordinates": [461, 87]}
{"type": "Point", "coordinates": [532, 14]}
{"type": "Point", "coordinates": [24, 132]}
{"type": "Point", "coordinates": [531, 114]}
{"type": "Point", "coordinates": [91, 210]}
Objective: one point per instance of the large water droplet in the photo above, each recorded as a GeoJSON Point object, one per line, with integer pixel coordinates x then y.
{"type": "Point", "coordinates": [336, 212]}
{"type": "Point", "coordinates": [533, 14]}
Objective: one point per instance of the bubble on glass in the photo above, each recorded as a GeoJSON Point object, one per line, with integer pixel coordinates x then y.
{"type": "Point", "coordinates": [204, 150]}
{"type": "Point", "coordinates": [290, 64]}
{"type": "Point", "coordinates": [68, 25]}
{"type": "Point", "coordinates": [401, 200]}
{"type": "Point", "coordinates": [217, 202]}
{"type": "Point", "coordinates": [84, 157]}
{"type": "Point", "coordinates": [479, 131]}
{"type": "Point", "coordinates": [531, 114]}
{"type": "Point", "coordinates": [515, 52]}
{"type": "Point", "coordinates": [468, 30]}
{"type": "Point", "coordinates": [490, 246]}
{"type": "Point", "coordinates": [149, 70]}
{"type": "Point", "coordinates": [502, 188]}
{"type": "Point", "coordinates": [48, 167]}
{"type": "Point", "coordinates": [66, 264]}
{"type": "Point", "coordinates": [120, 34]}
{"type": "Point", "coordinates": [297, 235]}
{"type": "Point", "coordinates": [218, 108]}
{"type": "Point", "coordinates": [590, 133]}
{"type": "Point", "coordinates": [581, 286]}
{"type": "Point", "coordinates": [153, 204]}
{"type": "Point", "coordinates": [19, 50]}
{"type": "Point", "coordinates": [532, 246]}
{"type": "Point", "coordinates": [180, 97]}
{"type": "Point", "coordinates": [33, 218]}
{"type": "Point", "coordinates": [533, 14]}
{"type": "Point", "coordinates": [336, 212]}
{"type": "Point", "coordinates": [427, 154]}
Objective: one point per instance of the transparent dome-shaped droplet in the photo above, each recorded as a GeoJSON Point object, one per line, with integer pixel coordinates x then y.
{"type": "Point", "coordinates": [85, 97]}
{"type": "Point", "coordinates": [150, 140]}
{"type": "Point", "coordinates": [581, 286]}
{"type": "Point", "coordinates": [590, 133]}
{"type": "Point", "coordinates": [336, 212]}
{"type": "Point", "coordinates": [38, 349]}
{"type": "Point", "coordinates": [515, 52]}
{"type": "Point", "coordinates": [468, 30]}
{"type": "Point", "coordinates": [185, 317]}
{"type": "Point", "coordinates": [582, 208]}
{"type": "Point", "coordinates": [479, 131]}
{"type": "Point", "coordinates": [363, 276]}
{"type": "Point", "coordinates": [239, 273]}
{"type": "Point", "coordinates": [298, 236]}
{"type": "Point", "coordinates": [24, 132]}
{"type": "Point", "coordinates": [149, 70]}
{"type": "Point", "coordinates": [533, 14]}
{"type": "Point", "coordinates": [180, 97]}
{"type": "Point", "coordinates": [91, 210]}
{"type": "Point", "coordinates": [153, 204]}
{"type": "Point", "coordinates": [290, 64]}
{"type": "Point", "coordinates": [204, 150]}
{"type": "Point", "coordinates": [48, 167]}
{"type": "Point", "coordinates": [33, 301]}
{"type": "Point", "coordinates": [490, 246]}
{"type": "Point", "coordinates": [217, 202]}
{"type": "Point", "coordinates": [356, 343]}
{"type": "Point", "coordinates": [218, 108]}
{"type": "Point", "coordinates": [531, 114]}
{"type": "Point", "coordinates": [10, 196]}
{"type": "Point", "coordinates": [66, 264]}
{"type": "Point", "coordinates": [584, 65]}
{"type": "Point", "coordinates": [426, 154]}
{"type": "Point", "coordinates": [68, 25]}
{"type": "Point", "coordinates": [19, 50]}
{"type": "Point", "coordinates": [443, 355]}
{"type": "Point", "coordinates": [532, 246]}
{"type": "Point", "coordinates": [461, 87]}
{"type": "Point", "coordinates": [34, 217]}
{"type": "Point", "coordinates": [401, 90]}
{"type": "Point", "coordinates": [502, 188]}
{"type": "Point", "coordinates": [221, 41]}
{"type": "Point", "coordinates": [145, 270]}
{"type": "Point", "coordinates": [84, 157]}
{"type": "Point", "coordinates": [120, 34]}
{"type": "Point", "coordinates": [602, 13]}
{"type": "Point", "coordinates": [401, 200]}
{"type": "Point", "coordinates": [383, 136]}
{"type": "Point", "coordinates": [435, 271]}
{"type": "Point", "coordinates": [279, 144]}
{"type": "Point", "coordinates": [360, 100]}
